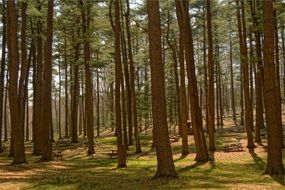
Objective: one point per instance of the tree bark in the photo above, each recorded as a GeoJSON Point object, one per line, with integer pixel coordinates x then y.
{"type": "Point", "coordinates": [165, 165]}
{"type": "Point", "coordinates": [75, 90]}
{"type": "Point", "coordinates": [244, 61]}
{"type": "Point", "coordinates": [277, 72]}
{"type": "Point", "coordinates": [24, 65]}
{"type": "Point", "coordinates": [47, 83]}
{"type": "Point", "coordinates": [66, 90]}
{"type": "Point", "coordinates": [273, 118]}
{"type": "Point", "coordinates": [37, 127]}
{"type": "Point", "coordinates": [232, 83]}
{"type": "Point", "coordinates": [132, 82]}
{"type": "Point", "coordinates": [3, 67]}
{"type": "Point", "coordinates": [211, 94]}
{"type": "Point", "coordinates": [118, 81]}
{"type": "Point", "coordinates": [98, 99]}
{"type": "Point", "coordinates": [13, 53]}
{"type": "Point", "coordinates": [88, 79]}
{"type": "Point", "coordinates": [26, 93]}
{"type": "Point", "coordinates": [59, 97]}
{"type": "Point", "coordinates": [259, 119]}
{"type": "Point", "coordinates": [196, 114]}
{"type": "Point", "coordinates": [183, 99]}
{"type": "Point", "coordinates": [125, 91]}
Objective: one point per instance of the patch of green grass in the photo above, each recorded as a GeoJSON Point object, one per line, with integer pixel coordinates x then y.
{"type": "Point", "coordinates": [242, 170]}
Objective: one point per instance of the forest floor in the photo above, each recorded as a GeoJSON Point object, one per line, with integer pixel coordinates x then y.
{"type": "Point", "coordinates": [228, 170]}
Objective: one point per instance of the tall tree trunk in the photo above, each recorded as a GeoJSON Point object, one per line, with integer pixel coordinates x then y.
{"type": "Point", "coordinates": [180, 89]}
{"type": "Point", "coordinates": [75, 90]}
{"type": "Point", "coordinates": [118, 81]}
{"type": "Point", "coordinates": [273, 116]}
{"type": "Point", "coordinates": [124, 114]}
{"type": "Point", "coordinates": [74, 100]}
{"type": "Point", "coordinates": [24, 65]}
{"type": "Point", "coordinates": [47, 83]}
{"type": "Point", "coordinates": [51, 132]}
{"type": "Point", "coordinates": [258, 100]}
{"type": "Point", "coordinates": [5, 110]}
{"type": "Point", "coordinates": [127, 98]}
{"type": "Point", "coordinates": [132, 81]}
{"type": "Point", "coordinates": [232, 83]}
{"type": "Point", "coordinates": [88, 78]}
{"type": "Point", "coordinates": [183, 111]}
{"type": "Point", "coordinates": [205, 65]}
{"type": "Point", "coordinates": [241, 97]}
{"type": "Point", "coordinates": [178, 92]}
{"type": "Point", "coordinates": [80, 109]}
{"type": "Point", "coordinates": [259, 121]}
{"type": "Point", "coordinates": [196, 114]}
{"type": "Point", "coordinates": [211, 93]}
{"type": "Point", "coordinates": [3, 67]}
{"type": "Point", "coordinates": [83, 106]}
{"type": "Point", "coordinates": [37, 127]}
{"type": "Point", "coordinates": [27, 119]}
{"type": "Point", "coordinates": [112, 106]}
{"type": "Point", "coordinates": [125, 102]}
{"type": "Point", "coordinates": [13, 53]}
{"type": "Point", "coordinates": [66, 90]}
{"type": "Point", "coordinates": [165, 165]}
{"type": "Point", "coordinates": [146, 97]}
{"type": "Point", "coordinates": [59, 98]}
{"type": "Point", "coordinates": [244, 61]}
{"type": "Point", "coordinates": [26, 93]}
{"type": "Point", "coordinates": [34, 65]}
{"type": "Point", "coordinates": [98, 99]}
{"type": "Point", "coordinates": [283, 53]}
{"type": "Point", "coordinates": [220, 84]}
{"type": "Point", "coordinates": [217, 87]}
{"type": "Point", "coordinates": [277, 67]}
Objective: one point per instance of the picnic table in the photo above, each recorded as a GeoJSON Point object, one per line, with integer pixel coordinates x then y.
{"type": "Point", "coordinates": [63, 142]}
{"type": "Point", "coordinates": [235, 147]}
{"type": "Point", "coordinates": [174, 138]}
{"type": "Point", "coordinates": [58, 155]}
{"type": "Point", "coordinates": [114, 152]}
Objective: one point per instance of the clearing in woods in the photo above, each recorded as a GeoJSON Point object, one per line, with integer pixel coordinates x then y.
{"type": "Point", "coordinates": [228, 170]}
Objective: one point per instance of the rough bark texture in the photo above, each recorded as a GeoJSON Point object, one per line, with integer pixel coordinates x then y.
{"type": "Point", "coordinates": [24, 65]}
{"type": "Point", "coordinates": [118, 79]}
{"type": "Point", "coordinates": [196, 114]}
{"type": "Point", "coordinates": [66, 89]}
{"type": "Point", "coordinates": [3, 66]}
{"type": "Point", "coordinates": [244, 62]}
{"type": "Point", "coordinates": [273, 119]}
{"type": "Point", "coordinates": [232, 83]}
{"type": "Point", "coordinates": [165, 165]}
{"type": "Point", "coordinates": [259, 119]}
{"type": "Point", "coordinates": [211, 96]}
{"type": "Point", "coordinates": [277, 72]}
{"type": "Point", "coordinates": [13, 67]}
{"type": "Point", "coordinates": [88, 80]}
{"type": "Point", "coordinates": [75, 90]}
{"type": "Point", "coordinates": [37, 128]}
{"type": "Point", "coordinates": [180, 88]}
{"type": "Point", "coordinates": [47, 83]}
{"type": "Point", "coordinates": [132, 82]}
{"type": "Point", "coordinates": [183, 100]}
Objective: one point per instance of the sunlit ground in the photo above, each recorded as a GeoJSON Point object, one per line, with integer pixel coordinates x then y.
{"type": "Point", "coordinates": [234, 170]}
